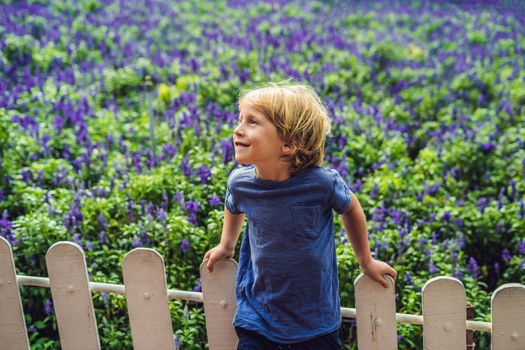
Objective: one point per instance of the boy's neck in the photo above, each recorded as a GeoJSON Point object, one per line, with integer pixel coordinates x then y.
{"type": "Point", "coordinates": [273, 174]}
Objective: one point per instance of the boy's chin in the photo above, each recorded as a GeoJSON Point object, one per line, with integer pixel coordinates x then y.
{"type": "Point", "coordinates": [242, 160]}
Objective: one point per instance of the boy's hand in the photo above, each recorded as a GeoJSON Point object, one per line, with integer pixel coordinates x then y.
{"type": "Point", "coordinates": [215, 254]}
{"type": "Point", "coordinates": [375, 269]}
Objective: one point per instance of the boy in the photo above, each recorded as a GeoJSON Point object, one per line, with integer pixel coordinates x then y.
{"type": "Point", "coordinates": [287, 286]}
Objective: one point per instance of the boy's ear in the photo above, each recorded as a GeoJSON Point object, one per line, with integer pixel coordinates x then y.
{"type": "Point", "coordinates": [288, 149]}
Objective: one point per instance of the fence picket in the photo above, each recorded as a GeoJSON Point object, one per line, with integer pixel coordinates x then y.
{"type": "Point", "coordinates": [444, 314]}
{"type": "Point", "coordinates": [147, 297]}
{"type": "Point", "coordinates": [376, 314]}
{"type": "Point", "coordinates": [508, 317]}
{"type": "Point", "coordinates": [72, 299]}
{"type": "Point", "coordinates": [13, 332]}
{"type": "Point", "coordinates": [218, 290]}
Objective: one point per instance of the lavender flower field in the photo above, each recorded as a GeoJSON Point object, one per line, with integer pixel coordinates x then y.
{"type": "Point", "coordinates": [116, 120]}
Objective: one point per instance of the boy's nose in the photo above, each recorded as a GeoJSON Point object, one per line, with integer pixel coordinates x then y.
{"type": "Point", "coordinates": [238, 130]}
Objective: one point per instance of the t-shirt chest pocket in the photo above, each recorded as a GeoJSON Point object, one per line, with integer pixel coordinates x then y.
{"type": "Point", "coordinates": [305, 220]}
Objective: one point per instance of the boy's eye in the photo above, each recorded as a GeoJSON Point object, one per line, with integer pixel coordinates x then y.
{"type": "Point", "coordinates": [253, 121]}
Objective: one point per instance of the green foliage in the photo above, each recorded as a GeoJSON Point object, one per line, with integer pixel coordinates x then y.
{"type": "Point", "coordinates": [115, 135]}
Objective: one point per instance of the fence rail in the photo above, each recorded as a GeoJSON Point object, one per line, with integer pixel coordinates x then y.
{"type": "Point", "coordinates": [443, 298]}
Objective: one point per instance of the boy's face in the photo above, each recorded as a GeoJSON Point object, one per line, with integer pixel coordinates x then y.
{"type": "Point", "coordinates": [256, 139]}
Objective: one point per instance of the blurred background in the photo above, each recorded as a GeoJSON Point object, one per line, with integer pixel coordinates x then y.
{"type": "Point", "coordinates": [116, 120]}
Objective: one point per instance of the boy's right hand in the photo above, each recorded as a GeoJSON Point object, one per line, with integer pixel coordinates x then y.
{"type": "Point", "coordinates": [215, 254]}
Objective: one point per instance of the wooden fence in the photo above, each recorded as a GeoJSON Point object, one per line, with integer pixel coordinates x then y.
{"type": "Point", "coordinates": [443, 320]}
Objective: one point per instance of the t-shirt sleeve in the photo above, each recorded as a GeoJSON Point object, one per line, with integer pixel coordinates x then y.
{"type": "Point", "coordinates": [229, 199]}
{"type": "Point", "coordinates": [230, 203]}
{"type": "Point", "coordinates": [340, 196]}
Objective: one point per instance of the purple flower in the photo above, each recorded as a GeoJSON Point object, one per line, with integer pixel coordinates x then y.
{"type": "Point", "coordinates": [192, 206]}
{"type": "Point", "coordinates": [136, 242]}
{"type": "Point", "coordinates": [374, 192]}
{"type": "Point", "coordinates": [103, 237]}
{"type": "Point", "coordinates": [40, 178]}
{"type": "Point", "coordinates": [48, 307]}
{"type": "Point", "coordinates": [76, 239]}
{"type": "Point", "coordinates": [5, 228]}
{"type": "Point", "coordinates": [521, 247]}
{"type": "Point", "coordinates": [244, 75]}
{"type": "Point", "coordinates": [204, 173]}
{"type": "Point", "coordinates": [27, 175]}
{"type": "Point", "coordinates": [431, 190]}
{"type": "Point", "coordinates": [150, 209]}
{"type": "Point", "coordinates": [45, 143]}
{"type": "Point", "coordinates": [5, 224]}
{"type": "Point", "coordinates": [168, 151]}
{"type": "Point", "coordinates": [227, 150]}
{"type": "Point", "coordinates": [505, 255]}
{"type": "Point", "coordinates": [102, 221]}
{"type": "Point", "coordinates": [446, 216]}
{"type": "Point", "coordinates": [184, 246]}
{"type": "Point", "coordinates": [74, 218]}
{"type": "Point", "coordinates": [177, 341]}
{"type": "Point", "coordinates": [461, 239]}
{"type": "Point", "coordinates": [473, 268]}
{"type": "Point", "coordinates": [192, 217]}
{"type": "Point", "coordinates": [179, 197]}
{"type": "Point", "coordinates": [161, 215]}
{"type": "Point", "coordinates": [431, 267]}
{"type": "Point", "coordinates": [396, 216]}
{"type": "Point", "coordinates": [378, 215]}
{"type": "Point", "coordinates": [457, 273]}
{"type": "Point", "coordinates": [482, 203]}
{"type": "Point", "coordinates": [131, 209]}
{"type": "Point", "coordinates": [186, 167]}
{"type": "Point", "coordinates": [487, 147]}
{"type": "Point", "coordinates": [342, 141]}
{"type": "Point", "coordinates": [453, 254]}
{"type": "Point", "coordinates": [215, 200]}
{"type": "Point", "coordinates": [408, 278]}
{"type": "Point", "coordinates": [198, 287]}
{"type": "Point", "coordinates": [144, 237]}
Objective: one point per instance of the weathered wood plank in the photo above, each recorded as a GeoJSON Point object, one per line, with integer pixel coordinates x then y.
{"type": "Point", "coordinates": [444, 314]}
{"type": "Point", "coordinates": [147, 297]}
{"type": "Point", "coordinates": [376, 314]}
{"type": "Point", "coordinates": [508, 317]}
{"type": "Point", "coordinates": [77, 327]}
{"type": "Point", "coordinates": [218, 290]}
{"type": "Point", "coordinates": [13, 332]}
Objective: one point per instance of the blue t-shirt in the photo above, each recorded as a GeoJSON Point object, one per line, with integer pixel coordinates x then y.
{"type": "Point", "coordinates": [287, 286]}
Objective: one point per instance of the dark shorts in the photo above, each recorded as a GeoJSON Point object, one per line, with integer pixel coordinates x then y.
{"type": "Point", "coordinates": [249, 340]}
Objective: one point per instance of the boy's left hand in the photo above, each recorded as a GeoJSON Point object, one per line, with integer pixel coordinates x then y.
{"type": "Point", "coordinates": [375, 269]}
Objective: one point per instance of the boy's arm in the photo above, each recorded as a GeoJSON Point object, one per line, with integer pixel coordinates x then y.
{"type": "Point", "coordinates": [231, 229]}
{"type": "Point", "coordinates": [354, 221]}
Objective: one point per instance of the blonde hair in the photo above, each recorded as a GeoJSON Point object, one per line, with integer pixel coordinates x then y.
{"type": "Point", "coordinates": [299, 116]}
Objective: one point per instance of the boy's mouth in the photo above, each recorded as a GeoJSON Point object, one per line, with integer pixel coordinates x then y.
{"type": "Point", "coordinates": [241, 144]}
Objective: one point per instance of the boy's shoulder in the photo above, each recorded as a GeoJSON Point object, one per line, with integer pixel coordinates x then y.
{"type": "Point", "coordinates": [242, 173]}
{"type": "Point", "coordinates": [322, 173]}
{"type": "Point", "coordinates": [325, 179]}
